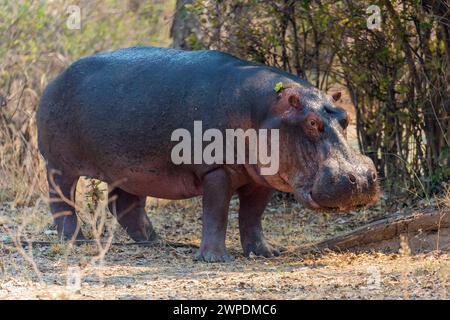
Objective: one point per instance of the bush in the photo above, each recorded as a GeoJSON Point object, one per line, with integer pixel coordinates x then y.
{"type": "Point", "coordinates": [36, 45]}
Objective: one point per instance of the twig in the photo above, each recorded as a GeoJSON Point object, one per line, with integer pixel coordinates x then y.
{"type": "Point", "coordinates": [39, 243]}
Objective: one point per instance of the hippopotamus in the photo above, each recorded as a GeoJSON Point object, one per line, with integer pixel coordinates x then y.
{"type": "Point", "coordinates": [111, 116]}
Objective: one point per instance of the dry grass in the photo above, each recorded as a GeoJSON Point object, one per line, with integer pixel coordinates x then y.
{"type": "Point", "coordinates": [61, 271]}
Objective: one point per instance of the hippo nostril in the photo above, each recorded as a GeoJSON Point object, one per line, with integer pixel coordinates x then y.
{"type": "Point", "coordinates": [351, 178]}
{"type": "Point", "coordinates": [372, 176]}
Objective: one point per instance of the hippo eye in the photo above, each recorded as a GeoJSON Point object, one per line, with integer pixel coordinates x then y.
{"type": "Point", "coordinates": [344, 121]}
{"type": "Point", "coordinates": [312, 126]}
{"type": "Point", "coordinates": [329, 109]}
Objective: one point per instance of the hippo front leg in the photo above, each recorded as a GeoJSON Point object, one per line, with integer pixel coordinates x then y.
{"type": "Point", "coordinates": [252, 202]}
{"type": "Point", "coordinates": [216, 200]}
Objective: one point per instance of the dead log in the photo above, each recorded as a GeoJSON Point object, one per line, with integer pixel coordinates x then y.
{"type": "Point", "coordinates": [425, 231]}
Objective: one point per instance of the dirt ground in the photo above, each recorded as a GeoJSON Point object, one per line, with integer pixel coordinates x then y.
{"type": "Point", "coordinates": [59, 271]}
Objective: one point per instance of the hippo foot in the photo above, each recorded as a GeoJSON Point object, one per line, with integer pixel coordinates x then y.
{"type": "Point", "coordinates": [68, 228]}
{"type": "Point", "coordinates": [152, 242]}
{"type": "Point", "coordinates": [146, 236]}
{"type": "Point", "coordinates": [213, 256]}
{"type": "Point", "coordinates": [260, 248]}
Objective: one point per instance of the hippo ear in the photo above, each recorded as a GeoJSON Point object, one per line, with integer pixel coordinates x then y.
{"type": "Point", "coordinates": [336, 96]}
{"type": "Point", "coordinates": [291, 98]}
{"type": "Point", "coordinates": [294, 100]}
{"type": "Point", "coordinates": [288, 99]}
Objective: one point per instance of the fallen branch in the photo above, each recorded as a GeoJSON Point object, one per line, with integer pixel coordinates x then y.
{"type": "Point", "coordinates": [385, 229]}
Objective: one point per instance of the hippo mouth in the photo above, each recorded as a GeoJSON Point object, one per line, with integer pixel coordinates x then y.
{"type": "Point", "coordinates": [331, 202]}
{"type": "Point", "coordinates": [354, 202]}
{"type": "Point", "coordinates": [306, 197]}
{"type": "Point", "coordinates": [339, 186]}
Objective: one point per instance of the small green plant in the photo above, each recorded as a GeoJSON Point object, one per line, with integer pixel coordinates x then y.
{"type": "Point", "coordinates": [89, 249]}
{"type": "Point", "coordinates": [278, 87]}
{"type": "Point", "coordinates": [58, 249]}
{"type": "Point", "coordinates": [94, 195]}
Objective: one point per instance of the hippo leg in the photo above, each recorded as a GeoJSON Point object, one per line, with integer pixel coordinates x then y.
{"type": "Point", "coordinates": [130, 212]}
{"type": "Point", "coordinates": [252, 202]}
{"type": "Point", "coordinates": [62, 199]}
{"type": "Point", "coordinates": [216, 200]}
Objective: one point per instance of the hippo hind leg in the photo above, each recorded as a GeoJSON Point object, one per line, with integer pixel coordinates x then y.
{"type": "Point", "coordinates": [62, 185]}
{"type": "Point", "coordinates": [129, 210]}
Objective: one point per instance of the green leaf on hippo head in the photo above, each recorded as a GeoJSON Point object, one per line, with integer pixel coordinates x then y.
{"type": "Point", "coordinates": [278, 86]}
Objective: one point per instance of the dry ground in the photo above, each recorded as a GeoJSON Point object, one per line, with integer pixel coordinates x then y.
{"type": "Point", "coordinates": [165, 272]}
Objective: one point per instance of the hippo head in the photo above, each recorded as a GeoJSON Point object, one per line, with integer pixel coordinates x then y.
{"type": "Point", "coordinates": [316, 162]}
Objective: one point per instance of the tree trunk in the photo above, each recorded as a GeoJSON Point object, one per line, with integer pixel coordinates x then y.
{"type": "Point", "coordinates": [185, 27]}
